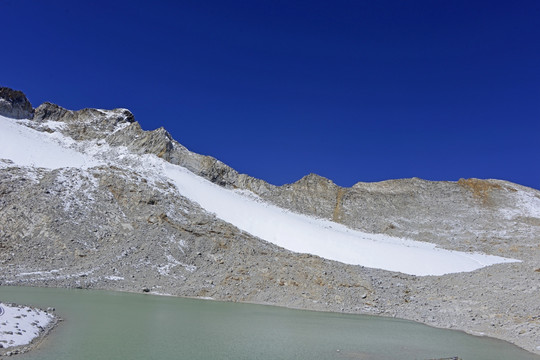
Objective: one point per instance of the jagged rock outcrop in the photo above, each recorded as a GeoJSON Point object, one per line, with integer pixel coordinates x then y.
{"type": "Point", "coordinates": [85, 124]}
{"type": "Point", "coordinates": [14, 104]}
{"type": "Point", "coordinates": [109, 227]}
{"type": "Point", "coordinates": [160, 143]}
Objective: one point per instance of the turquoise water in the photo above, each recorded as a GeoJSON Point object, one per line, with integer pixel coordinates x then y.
{"type": "Point", "coordinates": [113, 325]}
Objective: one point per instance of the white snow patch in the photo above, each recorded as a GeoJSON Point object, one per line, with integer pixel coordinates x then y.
{"type": "Point", "coordinates": [28, 147]}
{"type": "Point", "coordinates": [19, 325]}
{"type": "Point", "coordinates": [305, 234]}
{"type": "Point", "coordinates": [38, 273]}
{"type": "Point", "coordinates": [527, 204]}
{"type": "Point", "coordinates": [114, 278]}
{"type": "Point", "coordinates": [121, 127]}
{"type": "Point", "coordinates": [47, 125]}
{"type": "Point", "coordinates": [55, 125]}
{"type": "Point", "coordinates": [165, 269]}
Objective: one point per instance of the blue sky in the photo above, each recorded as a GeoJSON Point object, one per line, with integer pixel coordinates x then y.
{"type": "Point", "coordinates": [350, 90]}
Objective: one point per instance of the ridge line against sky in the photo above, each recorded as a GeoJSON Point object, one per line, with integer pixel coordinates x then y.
{"type": "Point", "coordinates": [350, 90]}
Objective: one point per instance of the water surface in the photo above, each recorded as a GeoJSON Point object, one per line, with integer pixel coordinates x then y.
{"type": "Point", "coordinates": [113, 325]}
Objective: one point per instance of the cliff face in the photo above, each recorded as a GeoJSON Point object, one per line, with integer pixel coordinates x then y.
{"type": "Point", "coordinates": [112, 227]}
{"type": "Point", "coordinates": [14, 104]}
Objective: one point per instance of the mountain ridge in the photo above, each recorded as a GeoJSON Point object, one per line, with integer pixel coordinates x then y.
{"type": "Point", "coordinates": [110, 227]}
{"type": "Point", "coordinates": [160, 143]}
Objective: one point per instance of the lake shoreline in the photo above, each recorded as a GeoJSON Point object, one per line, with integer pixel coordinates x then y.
{"type": "Point", "coordinates": [56, 320]}
{"type": "Point", "coordinates": [465, 331]}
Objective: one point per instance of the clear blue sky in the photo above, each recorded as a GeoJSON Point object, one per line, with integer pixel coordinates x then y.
{"type": "Point", "coordinates": [350, 90]}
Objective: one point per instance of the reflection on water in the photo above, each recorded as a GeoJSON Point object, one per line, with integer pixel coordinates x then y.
{"type": "Point", "coordinates": [111, 325]}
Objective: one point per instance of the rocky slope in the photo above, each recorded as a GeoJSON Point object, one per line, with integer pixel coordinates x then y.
{"type": "Point", "coordinates": [111, 227]}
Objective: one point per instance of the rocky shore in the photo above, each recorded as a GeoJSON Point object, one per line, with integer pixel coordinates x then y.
{"type": "Point", "coordinates": [111, 227]}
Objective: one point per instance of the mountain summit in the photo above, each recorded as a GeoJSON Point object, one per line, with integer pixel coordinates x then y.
{"type": "Point", "coordinates": [88, 199]}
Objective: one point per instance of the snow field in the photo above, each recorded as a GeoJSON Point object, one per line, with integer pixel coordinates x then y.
{"type": "Point", "coordinates": [28, 147]}
{"type": "Point", "coordinates": [292, 231]}
{"type": "Point", "coordinates": [305, 234]}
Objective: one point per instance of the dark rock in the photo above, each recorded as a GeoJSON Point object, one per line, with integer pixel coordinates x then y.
{"type": "Point", "coordinates": [14, 104]}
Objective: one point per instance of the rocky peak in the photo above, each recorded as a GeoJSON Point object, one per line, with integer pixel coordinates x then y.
{"type": "Point", "coordinates": [119, 128]}
{"type": "Point", "coordinates": [50, 112]}
{"type": "Point", "coordinates": [14, 104]}
{"type": "Point", "coordinates": [85, 124]}
{"type": "Point", "coordinates": [158, 142]}
{"type": "Point", "coordinates": [314, 180]}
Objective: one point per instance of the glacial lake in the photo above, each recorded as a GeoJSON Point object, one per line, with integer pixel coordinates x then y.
{"type": "Point", "coordinates": [113, 325]}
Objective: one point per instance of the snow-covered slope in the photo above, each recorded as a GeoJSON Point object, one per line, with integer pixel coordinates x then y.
{"type": "Point", "coordinates": [295, 232]}
{"type": "Point", "coordinates": [27, 147]}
